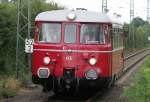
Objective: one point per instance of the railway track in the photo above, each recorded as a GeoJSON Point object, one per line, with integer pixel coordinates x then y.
{"type": "Point", "coordinates": [130, 63]}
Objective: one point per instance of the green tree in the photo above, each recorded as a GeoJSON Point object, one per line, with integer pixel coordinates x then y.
{"type": "Point", "coordinates": [4, 1]}
{"type": "Point", "coordinates": [7, 36]}
{"type": "Point", "coordinates": [138, 22]}
{"type": "Point", "coordinates": [137, 37]}
{"type": "Point", "coordinates": [8, 17]}
{"type": "Point", "coordinates": [140, 34]}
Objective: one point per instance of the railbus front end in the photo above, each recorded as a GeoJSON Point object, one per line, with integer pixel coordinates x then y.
{"type": "Point", "coordinates": [72, 50]}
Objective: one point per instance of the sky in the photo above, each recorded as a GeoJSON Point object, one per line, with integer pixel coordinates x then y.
{"type": "Point", "coordinates": [121, 7]}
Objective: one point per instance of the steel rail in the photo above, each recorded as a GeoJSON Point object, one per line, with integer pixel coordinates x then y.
{"type": "Point", "coordinates": [136, 53]}
{"type": "Point", "coordinates": [128, 68]}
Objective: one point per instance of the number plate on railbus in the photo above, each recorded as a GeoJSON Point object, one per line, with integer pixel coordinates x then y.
{"type": "Point", "coordinates": [29, 45]}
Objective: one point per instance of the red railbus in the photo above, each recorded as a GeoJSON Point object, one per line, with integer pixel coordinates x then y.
{"type": "Point", "coordinates": [75, 49]}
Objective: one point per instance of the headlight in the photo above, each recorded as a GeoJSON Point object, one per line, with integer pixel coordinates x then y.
{"type": "Point", "coordinates": [43, 73]}
{"type": "Point", "coordinates": [71, 16]}
{"type": "Point", "coordinates": [46, 60]}
{"type": "Point", "coordinates": [92, 61]}
{"type": "Point", "coordinates": [91, 74]}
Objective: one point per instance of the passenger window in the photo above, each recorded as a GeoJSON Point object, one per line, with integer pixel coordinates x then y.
{"type": "Point", "coordinates": [117, 39]}
{"type": "Point", "coordinates": [117, 36]}
{"type": "Point", "coordinates": [70, 33]}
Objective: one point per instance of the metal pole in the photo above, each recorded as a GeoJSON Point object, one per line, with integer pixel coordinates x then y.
{"type": "Point", "coordinates": [148, 11]}
{"type": "Point", "coordinates": [131, 30]}
{"type": "Point", "coordinates": [21, 28]}
{"type": "Point", "coordinates": [133, 25]}
{"type": "Point", "coordinates": [148, 17]}
{"type": "Point", "coordinates": [17, 39]}
{"type": "Point", "coordinates": [29, 36]}
{"type": "Point", "coordinates": [104, 6]}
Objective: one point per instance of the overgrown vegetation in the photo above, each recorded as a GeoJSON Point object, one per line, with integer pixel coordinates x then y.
{"type": "Point", "coordinates": [139, 90]}
{"type": "Point", "coordinates": [8, 17]}
{"type": "Point", "coordinates": [138, 32]}
{"type": "Point", "coordinates": [9, 87]}
{"type": "Point", "coordinates": [8, 27]}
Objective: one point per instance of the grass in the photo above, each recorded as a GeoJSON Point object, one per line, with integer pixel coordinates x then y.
{"type": "Point", "coordinates": [9, 87]}
{"type": "Point", "coordinates": [139, 90]}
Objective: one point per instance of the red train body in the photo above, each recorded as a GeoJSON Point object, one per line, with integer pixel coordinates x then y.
{"type": "Point", "coordinates": [76, 48]}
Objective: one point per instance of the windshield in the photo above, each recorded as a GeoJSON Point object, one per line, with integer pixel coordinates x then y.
{"type": "Point", "coordinates": [50, 32]}
{"type": "Point", "coordinates": [70, 33]}
{"type": "Point", "coordinates": [91, 34]}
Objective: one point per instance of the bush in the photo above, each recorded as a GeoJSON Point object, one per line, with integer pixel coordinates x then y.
{"type": "Point", "coordinates": [8, 93]}
{"type": "Point", "coordinates": [9, 87]}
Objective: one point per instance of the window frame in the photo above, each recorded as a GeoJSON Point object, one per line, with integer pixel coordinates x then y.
{"type": "Point", "coordinates": [117, 35]}
{"type": "Point", "coordinates": [39, 32]}
{"type": "Point", "coordinates": [101, 27]}
{"type": "Point", "coordinates": [76, 35]}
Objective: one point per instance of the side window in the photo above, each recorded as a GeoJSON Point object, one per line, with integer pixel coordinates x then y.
{"type": "Point", "coordinates": [117, 38]}
{"type": "Point", "coordinates": [121, 37]}
{"type": "Point", "coordinates": [70, 33]}
{"type": "Point", "coordinates": [113, 36]}
{"type": "Point", "coordinates": [106, 29]}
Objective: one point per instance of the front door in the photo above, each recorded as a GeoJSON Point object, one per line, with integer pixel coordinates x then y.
{"type": "Point", "coordinates": [70, 56]}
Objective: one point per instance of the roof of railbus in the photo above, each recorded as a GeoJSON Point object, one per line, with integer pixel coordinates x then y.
{"type": "Point", "coordinates": [81, 16]}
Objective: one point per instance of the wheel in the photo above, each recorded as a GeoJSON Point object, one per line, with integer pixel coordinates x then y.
{"type": "Point", "coordinates": [112, 81]}
{"type": "Point", "coordinates": [46, 88]}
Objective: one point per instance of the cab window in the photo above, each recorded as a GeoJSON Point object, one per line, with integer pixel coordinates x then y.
{"type": "Point", "coordinates": [70, 33]}
{"type": "Point", "coordinates": [91, 34]}
{"type": "Point", "coordinates": [50, 33]}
